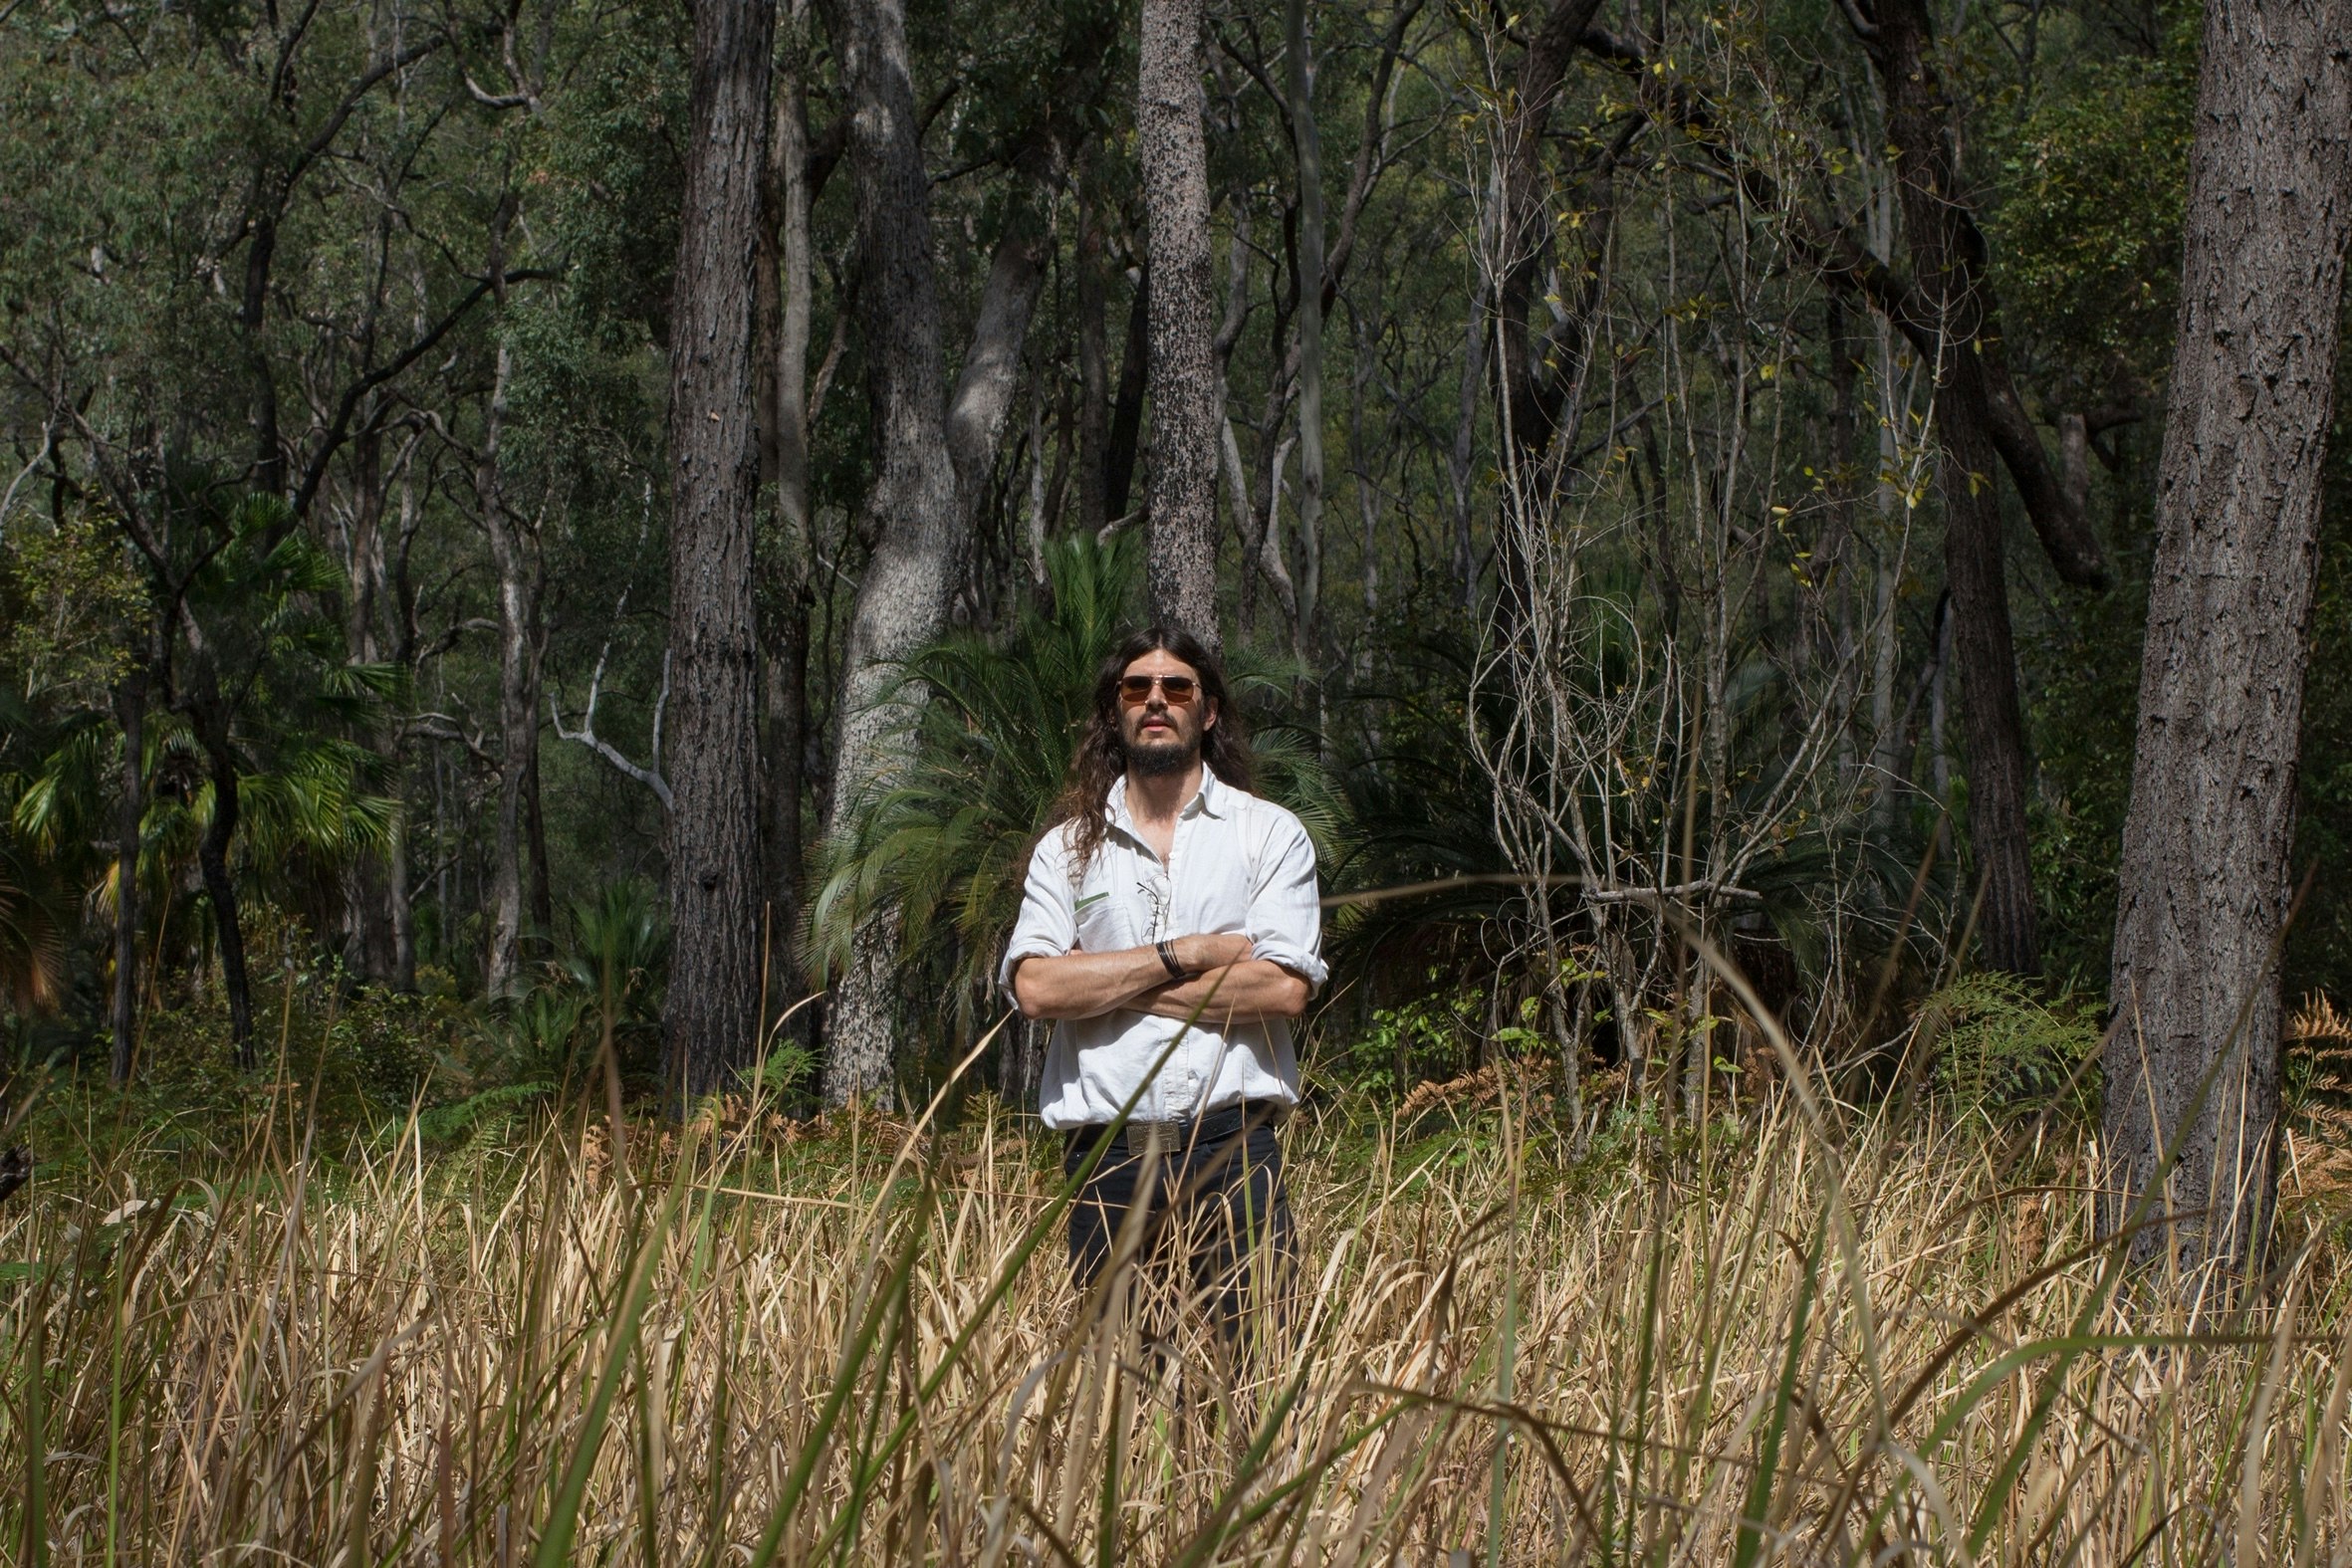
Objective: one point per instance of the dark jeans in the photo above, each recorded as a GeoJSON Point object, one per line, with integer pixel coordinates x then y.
{"type": "Point", "coordinates": [1218, 1196]}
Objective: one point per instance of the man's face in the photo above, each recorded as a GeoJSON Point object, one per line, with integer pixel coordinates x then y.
{"type": "Point", "coordinates": [1162, 731]}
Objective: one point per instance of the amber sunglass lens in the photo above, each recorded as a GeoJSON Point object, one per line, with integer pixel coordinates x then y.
{"type": "Point", "coordinates": [1136, 690]}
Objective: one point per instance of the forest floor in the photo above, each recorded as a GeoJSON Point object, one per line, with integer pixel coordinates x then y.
{"type": "Point", "coordinates": [1753, 1337]}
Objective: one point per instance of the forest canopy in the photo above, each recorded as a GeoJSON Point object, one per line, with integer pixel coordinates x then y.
{"type": "Point", "coordinates": [1572, 438]}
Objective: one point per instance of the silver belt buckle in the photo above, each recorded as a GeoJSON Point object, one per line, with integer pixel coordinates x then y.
{"type": "Point", "coordinates": [1163, 1138]}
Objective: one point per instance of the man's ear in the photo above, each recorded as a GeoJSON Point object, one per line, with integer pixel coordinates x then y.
{"type": "Point", "coordinates": [1209, 716]}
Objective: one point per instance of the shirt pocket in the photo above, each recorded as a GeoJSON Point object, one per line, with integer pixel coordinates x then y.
{"type": "Point", "coordinates": [1102, 923]}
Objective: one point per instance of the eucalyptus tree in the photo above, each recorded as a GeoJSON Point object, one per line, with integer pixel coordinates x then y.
{"type": "Point", "coordinates": [1172, 156]}
{"type": "Point", "coordinates": [935, 446]}
{"type": "Point", "coordinates": [2193, 1063]}
{"type": "Point", "coordinates": [711, 1024]}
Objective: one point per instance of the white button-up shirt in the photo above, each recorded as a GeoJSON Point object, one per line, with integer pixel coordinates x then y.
{"type": "Point", "coordinates": [1238, 864]}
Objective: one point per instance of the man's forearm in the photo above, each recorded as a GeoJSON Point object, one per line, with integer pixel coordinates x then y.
{"type": "Point", "coordinates": [1082, 984]}
{"type": "Point", "coordinates": [1087, 984]}
{"type": "Point", "coordinates": [1251, 991]}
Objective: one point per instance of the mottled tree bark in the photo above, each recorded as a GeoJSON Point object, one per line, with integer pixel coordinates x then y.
{"type": "Point", "coordinates": [1172, 151]}
{"type": "Point", "coordinates": [936, 454]}
{"type": "Point", "coordinates": [716, 888]}
{"type": "Point", "coordinates": [903, 598]}
{"type": "Point", "coordinates": [983, 398]}
{"type": "Point", "coordinates": [2192, 1069]}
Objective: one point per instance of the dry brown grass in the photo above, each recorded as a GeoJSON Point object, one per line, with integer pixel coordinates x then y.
{"type": "Point", "coordinates": [520, 1356]}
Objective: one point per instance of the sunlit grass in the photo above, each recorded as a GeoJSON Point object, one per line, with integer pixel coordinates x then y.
{"type": "Point", "coordinates": [864, 1347]}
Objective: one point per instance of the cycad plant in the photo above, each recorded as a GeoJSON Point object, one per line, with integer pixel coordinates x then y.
{"type": "Point", "coordinates": [576, 1022]}
{"type": "Point", "coordinates": [270, 696]}
{"type": "Point", "coordinates": [253, 772]}
{"type": "Point", "coordinates": [945, 845]}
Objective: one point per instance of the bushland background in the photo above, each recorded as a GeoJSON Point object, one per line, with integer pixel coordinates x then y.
{"type": "Point", "coordinates": [550, 559]}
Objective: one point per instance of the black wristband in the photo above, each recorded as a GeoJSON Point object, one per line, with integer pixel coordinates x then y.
{"type": "Point", "coordinates": [1176, 971]}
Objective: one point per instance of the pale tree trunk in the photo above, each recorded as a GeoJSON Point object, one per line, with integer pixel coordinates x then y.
{"type": "Point", "coordinates": [903, 598]}
{"type": "Point", "coordinates": [1172, 151]}
{"type": "Point", "coordinates": [514, 575]}
{"type": "Point", "coordinates": [983, 400]}
{"type": "Point", "coordinates": [711, 1028]}
{"type": "Point", "coordinates": [936, 457]}
{"type": "Point", "coordinates": [864, 1025]}
{"type": "Point", "coordinates": [1309, 150]}
{"type": "Point", "coordinates": [401, 902]}
{"type": "Point", "coordinates": [2192, 1069]}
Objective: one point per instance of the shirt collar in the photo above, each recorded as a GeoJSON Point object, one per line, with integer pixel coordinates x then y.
{"type": "Point", "coordinates": [1214, 799]}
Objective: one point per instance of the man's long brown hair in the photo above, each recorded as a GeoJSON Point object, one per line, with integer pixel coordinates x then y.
{"type": "Point", "coordinates": [1102, 752]}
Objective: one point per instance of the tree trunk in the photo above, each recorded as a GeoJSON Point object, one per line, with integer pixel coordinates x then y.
{"type": "Point", "coordinates": [786, 568]}
{"type": "Point", "coordinates": [2191, 1071]}
{"type": "Point", "coordinates": [1308, 145]}
{"type": "Point", "coordinates": [213, 859]}
{"type": "Point", "coordinates": [1093, 363]}
{"type": "Point", "coordinates": [130, 708]}
{"type": "Point", "coordinates": [1172, 153]}
{"type": "Point", "coordinates": [902, 599]}
{"type": "Point", "coordinates": [367, 891]}
{"type": "Point", "coordinates": [518, 707]}
{"type": "Point", "coordinates": [402, 977]}
{"type": "Point", "coordinates": [1524, 234]}
{"type": "Point", "coordinates": [1925, 188]}
{"type": "Point", "coordinates": [711, 1027]}
{"type": "Point", "coordinates": [1126, 411]}
{"type": "Point", "coordinates": [983, 398]}
{"type": "Point", "coordinates": [542, 898]}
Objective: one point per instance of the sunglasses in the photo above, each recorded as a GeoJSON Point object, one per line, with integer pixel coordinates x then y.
{"type": "Point", "coordinates": [1136, 690]}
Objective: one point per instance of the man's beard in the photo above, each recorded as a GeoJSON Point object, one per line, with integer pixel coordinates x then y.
{"type": "Point", "coordinates": [1167, 757]}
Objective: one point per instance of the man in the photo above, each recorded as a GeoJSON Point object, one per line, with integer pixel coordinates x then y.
{"type": "Point", "coordinates": [1171, 921]}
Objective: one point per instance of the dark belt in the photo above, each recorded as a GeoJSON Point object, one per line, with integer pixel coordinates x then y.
{"type": "Point", "coordinates": [1174, 1137]}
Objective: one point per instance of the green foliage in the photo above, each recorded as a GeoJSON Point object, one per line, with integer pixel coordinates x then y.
{"type": "Point", "coordinates": [545, 1042]}
{"type": "Point", "coordinates": [785, 1074]}
{"type": "Point", "coordinates": [619, 942]}
{"type": "Point", "coordinates": [1998, 1048]}
{"type": "Point", "coordinates": [2086, 233]}
{"type": "Point", "coordinates": [1434, 1035]}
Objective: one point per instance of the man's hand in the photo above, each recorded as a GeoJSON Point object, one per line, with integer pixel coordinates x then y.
{"type": "Point", "coordinates": [1087, 985]}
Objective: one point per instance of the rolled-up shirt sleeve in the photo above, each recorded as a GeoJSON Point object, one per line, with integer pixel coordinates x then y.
{"type": "Point", "coordinates": [1047, 927]}
{"type": "Point", "coordinates": [1286, 911]}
